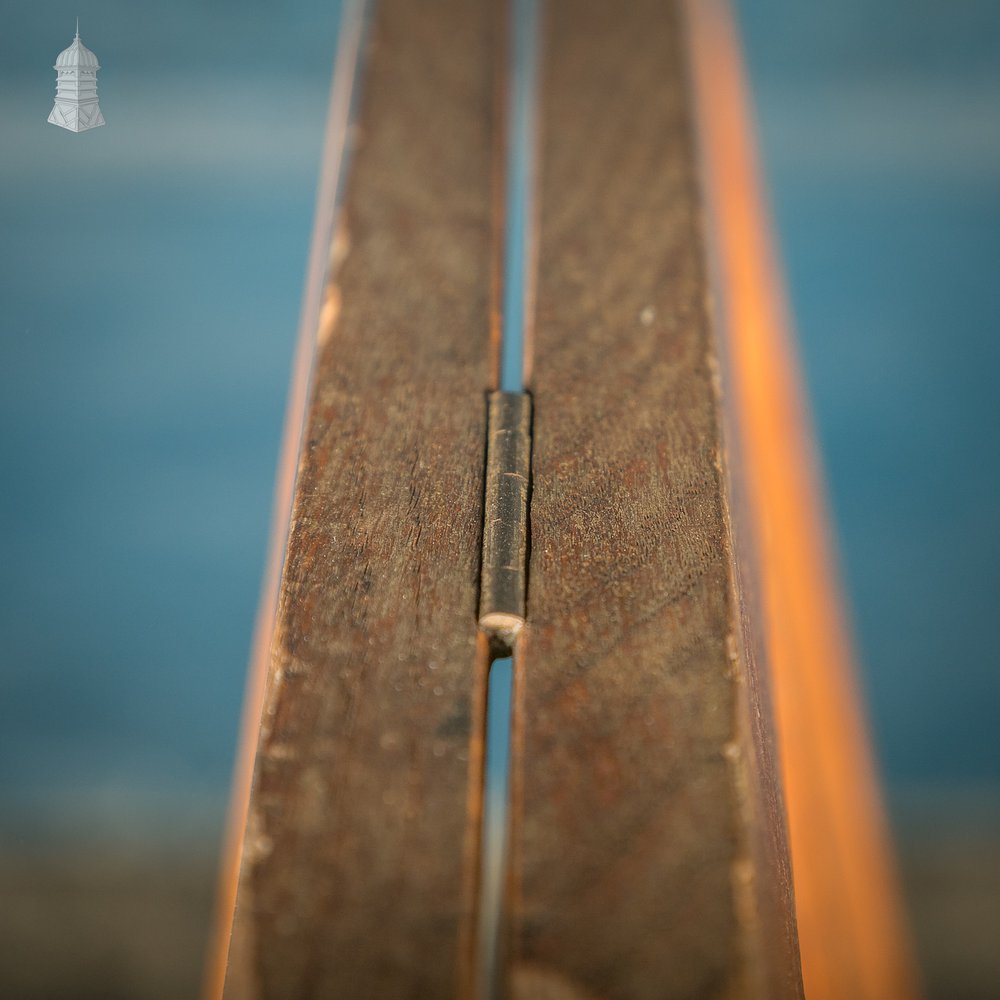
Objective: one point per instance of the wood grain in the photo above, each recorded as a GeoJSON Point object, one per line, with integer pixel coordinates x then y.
{"type": "Point", "coordinates": [648, 858]}
{"type": "Point", "coordinates": [360, 855]}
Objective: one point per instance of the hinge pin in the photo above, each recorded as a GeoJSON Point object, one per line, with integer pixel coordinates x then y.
{"type": "Point", "coordinates": [505, 523]}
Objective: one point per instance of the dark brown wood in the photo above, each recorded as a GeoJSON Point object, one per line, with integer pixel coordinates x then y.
{"type": "Point", "coordinates": [648, 858]}
{"type": "Point", "coordinates": [360, 856]}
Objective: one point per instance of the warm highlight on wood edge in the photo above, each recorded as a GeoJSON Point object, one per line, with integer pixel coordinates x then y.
{"type": "Point", "coordinates": [319, 312]}
{"type": "Point", "coordinates": [852, 929]}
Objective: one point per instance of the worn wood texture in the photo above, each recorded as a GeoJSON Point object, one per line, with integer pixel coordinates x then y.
{"type": "Point", "coordinates": [359, 859]}
{"type": "Point", "coordinates": [648, 858]}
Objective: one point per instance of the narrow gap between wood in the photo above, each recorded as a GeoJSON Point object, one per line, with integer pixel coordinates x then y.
{"type": "Point", "coordinates": [507, 480]}
{"type": "Point", "coordinates": [494, 834]}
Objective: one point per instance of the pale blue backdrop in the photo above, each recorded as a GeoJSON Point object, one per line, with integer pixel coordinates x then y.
{"type": "Point", "coordinates": [149, 294]}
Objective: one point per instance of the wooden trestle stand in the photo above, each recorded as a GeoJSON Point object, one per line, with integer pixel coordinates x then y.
{"type": "Point", "coordinates": [684, 653]}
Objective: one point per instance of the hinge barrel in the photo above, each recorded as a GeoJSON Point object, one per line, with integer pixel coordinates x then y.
{"type": "Point", "coordinates": [505, 522]}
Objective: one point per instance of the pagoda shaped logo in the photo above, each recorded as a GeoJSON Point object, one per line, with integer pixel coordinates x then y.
{"type": "Point", "coordinates": [76, 106]}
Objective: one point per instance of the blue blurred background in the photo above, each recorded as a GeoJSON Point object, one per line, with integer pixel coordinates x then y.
{"type": "Point", "coordinates": [149, 297]}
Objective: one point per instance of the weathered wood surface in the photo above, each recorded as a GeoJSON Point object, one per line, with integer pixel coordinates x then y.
{"type": "Point", "coordinates": [648, 855]}
{"type": "Point", "coordinates": [360, 857]}
{"type": "Point", "coordinates": [647, 848]}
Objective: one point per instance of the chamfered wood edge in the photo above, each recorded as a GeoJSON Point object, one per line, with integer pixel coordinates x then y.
{"type": "Point", "coordinates": [318, 314]}
{"type": "Point", "coordinates": [852, 930]}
